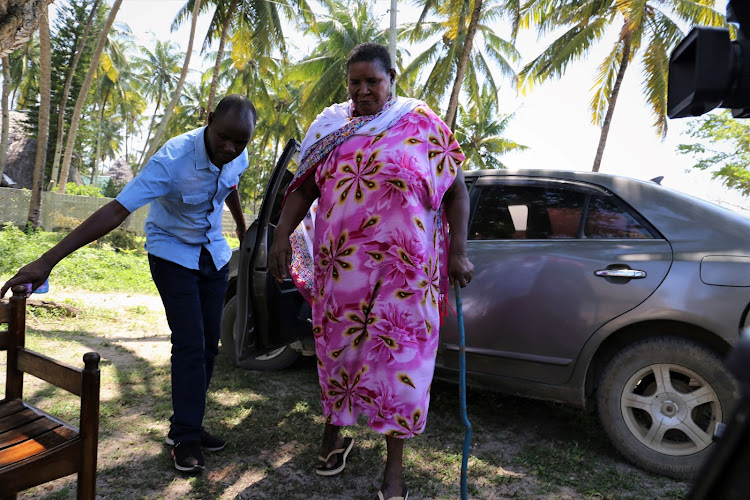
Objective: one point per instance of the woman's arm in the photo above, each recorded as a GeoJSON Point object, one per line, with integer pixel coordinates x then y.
{"type": "Point", "coordinates": [456, 202]}
{"type": "Point", "coordinates": [295, 208]}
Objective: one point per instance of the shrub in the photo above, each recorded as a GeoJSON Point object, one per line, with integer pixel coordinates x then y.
{"type": "Point", "coordinates": [122, 240]}
{"type": "Point", "coordinates": [83, 190]}
{"type": "Point", "coordinates": [61, 222]}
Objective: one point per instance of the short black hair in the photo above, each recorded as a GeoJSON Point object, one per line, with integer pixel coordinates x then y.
{"type": "Point", "coordinates": [238, 102]}
{"type": "Point", "coordinates": [369, 52]}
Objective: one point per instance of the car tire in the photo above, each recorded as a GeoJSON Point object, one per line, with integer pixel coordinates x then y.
{"type": "Point", "coordinates": [277, 359]}
{"type": "Point", "coordinates": [648, 408]}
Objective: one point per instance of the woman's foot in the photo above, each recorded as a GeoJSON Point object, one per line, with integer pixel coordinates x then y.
{"type": "Point", "coordinates": [334, 449]}
{"type": "Point", "coordinates": [391, 492]}
{"type": "Point", "coordinates": [393, 476]}
{"type": "Point", "coordinates": [403, 494]}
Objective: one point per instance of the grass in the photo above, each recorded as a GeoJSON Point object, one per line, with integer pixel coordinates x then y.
{"type": "Point", "coordinates": [521, 448]}
{"type": "Point", "coordinates": [117, 262]}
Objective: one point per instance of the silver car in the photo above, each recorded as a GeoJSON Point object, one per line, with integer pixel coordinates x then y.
{"type": "Point", "coordinates": [603, 292]}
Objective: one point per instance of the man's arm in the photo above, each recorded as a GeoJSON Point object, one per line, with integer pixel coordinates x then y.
{"type": "Point", "coordinates": [456, 202]}
{"type": "Point", "coordinates": [95, 226]}
{"type": "Point", "coordinates": [235, 207]}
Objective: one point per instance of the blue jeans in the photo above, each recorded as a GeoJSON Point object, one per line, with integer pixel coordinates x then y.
{"type": "Point", "coordinates": [193, 302]}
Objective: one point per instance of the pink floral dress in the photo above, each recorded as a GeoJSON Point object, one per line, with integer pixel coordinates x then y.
{"type": "Point", "coordinates": [378, 263]}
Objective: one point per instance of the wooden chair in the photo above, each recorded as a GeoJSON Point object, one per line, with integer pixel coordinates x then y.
{"type": "Point", "coordinates": [36, 447]}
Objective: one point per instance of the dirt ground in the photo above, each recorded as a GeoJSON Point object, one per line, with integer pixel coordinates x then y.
{"type": "Point", "coordinates": [520, 448]}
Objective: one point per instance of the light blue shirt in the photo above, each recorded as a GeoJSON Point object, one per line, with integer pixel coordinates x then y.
{"type": "Point", "coordinates": [186, 192]}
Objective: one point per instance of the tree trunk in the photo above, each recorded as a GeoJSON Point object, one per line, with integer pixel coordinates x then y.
{"type": "Point", "coordinates": [19, 23]}
{"type": "Point", "coordinates": [74, 120]}
{"type": "Point", "coordinates": [45, 77]}
{"type": "Point", "coordinates": [463, 62]}
{"type": "Point", "coordinates": [220, 54]}
{"type": "Point", "coordinates": [178, 89]}
{"type": "Point", "coordinates": [626, 47]}
{"type": "Point", "coordinates": [150, 129]}
{"type": "Point", "coordinates": [64, 98]}
{"type": "Point", "coordinates": [6, 114]}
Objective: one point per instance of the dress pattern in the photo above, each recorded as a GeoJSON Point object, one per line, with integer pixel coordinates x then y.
{"type": "Point", "coordinates": [378, 262]}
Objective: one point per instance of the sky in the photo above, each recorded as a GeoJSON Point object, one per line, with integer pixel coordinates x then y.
{"type": "Point", "coordinates": [554, 121]}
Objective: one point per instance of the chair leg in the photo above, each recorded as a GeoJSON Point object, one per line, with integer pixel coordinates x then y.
{"type": "Point", "coordinates": [86, 486]}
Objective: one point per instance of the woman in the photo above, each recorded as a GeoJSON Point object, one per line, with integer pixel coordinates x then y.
{"type": "Point", "coordinates": [386, 175]}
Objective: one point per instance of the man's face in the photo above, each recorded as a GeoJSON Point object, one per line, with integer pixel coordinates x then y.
{"type": "Point", "coordinates": [227, 135]}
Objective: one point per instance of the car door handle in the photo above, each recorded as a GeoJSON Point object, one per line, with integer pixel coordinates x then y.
{"type": "Point", "coordinates": [621, 273]}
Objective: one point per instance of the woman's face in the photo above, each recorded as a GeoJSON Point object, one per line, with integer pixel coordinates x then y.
{"type": "Point", "coordinates": [369, 86]}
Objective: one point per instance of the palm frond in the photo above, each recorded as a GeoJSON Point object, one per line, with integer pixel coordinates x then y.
{"type": "Point", "coordinates": [604, 83]}
{"type": "Point", "coordinates": [571, 46]}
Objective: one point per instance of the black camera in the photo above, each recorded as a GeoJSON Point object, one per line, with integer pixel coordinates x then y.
{"type": "Point", "coordinates": [708, 70]}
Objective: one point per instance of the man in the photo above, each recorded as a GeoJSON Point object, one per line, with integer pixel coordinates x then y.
{"type": "Point", "coordinates": [186, 182]}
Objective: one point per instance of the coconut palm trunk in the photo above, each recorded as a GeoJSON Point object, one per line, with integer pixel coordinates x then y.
{"type": "Point", "coordinates": [178, 89]}
{"type": "Point", "coordinates": [35, 207]}
{"type": "Point", "coordinates": [220, 54]}
{"type": "Point", "coordinates": [6, 114]}
{"type": "Point", "coordinates": [150, 130]}
{"type": "Point", "coordinates": [75, 118]}
{"type": "Point", "coordinates": [463, 62]}
{"type": "Point", "coordinates": [64, 97]}
{"type": "Point", "coordinates": [19, 21]}
{"type": "Point", "coordinates": [626, 49]}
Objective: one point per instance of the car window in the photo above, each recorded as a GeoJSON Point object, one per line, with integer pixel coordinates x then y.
{"type": "Point", "coordinates": [549, 212]}
{"type": "Point", "coordinates": [608, 220]}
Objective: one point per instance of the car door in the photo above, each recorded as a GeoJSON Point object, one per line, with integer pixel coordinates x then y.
{"type": "Point", "coordinates": [269, 314]}
{"type": "Point", "coordinates": [554, 261]}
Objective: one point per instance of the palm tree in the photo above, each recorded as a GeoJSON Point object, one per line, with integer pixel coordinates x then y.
{"type": "Point", "coordinates": [650, 26]}
{"type": "Point", "coordinates": [19, 22]}
{"type": "Point", "coordinates": [156, 141]}
{"type": "Point", "coordinates": [480, 133]}
{"type": "Point", "coordinates": [344, 27]}
{"type": "Point", "coordinates": [253, 27]}
{"type": "Point", "coordinates": [159, 69]}
{"type": "Point", "coordinates": [454, 54]}
{"type": "Point", "coordinates": [75, 118]}
{"type": "Point", "coordinates": [109, 82]}
{"type": "Point", "coordinates": [24, 74]}
{"type": "Point", "coordinates": [66, 91]}
{"type": "Point", "coordinates": [35, 207]}
{"type": "Point", "coordinates": [6, 113]}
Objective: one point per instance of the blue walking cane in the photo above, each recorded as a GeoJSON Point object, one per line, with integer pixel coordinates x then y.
{"type": "Point", "coordinates": [462, 392]}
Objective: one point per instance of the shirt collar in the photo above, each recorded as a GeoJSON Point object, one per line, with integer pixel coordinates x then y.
{"type": "Point", "coordinates": [201, 155]}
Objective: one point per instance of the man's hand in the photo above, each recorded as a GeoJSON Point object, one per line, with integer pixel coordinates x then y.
{"type": "Point", "coordinates": [459, 269]}
{"type": "Point", "coordinates": [34, 273]}
{"type": "Point", "coordinates": [280, 256]}
{"type": "Point", "coordinates": [240, 233]}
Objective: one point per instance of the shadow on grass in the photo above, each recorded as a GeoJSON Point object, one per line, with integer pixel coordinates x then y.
{"type": "Point", "coordinates": [521, 448]}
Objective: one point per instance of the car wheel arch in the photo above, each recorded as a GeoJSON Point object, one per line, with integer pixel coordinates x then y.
{"type": "Point", "coordinates": [620, 339]}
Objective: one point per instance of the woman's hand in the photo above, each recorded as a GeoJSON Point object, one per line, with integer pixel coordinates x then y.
{"type": "Point", "coordinates": [460, 269]}
{"type": "Point", "coordinates": [280, 256]}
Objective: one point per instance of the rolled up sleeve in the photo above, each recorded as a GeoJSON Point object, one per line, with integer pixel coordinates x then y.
{"type": "Point", "coordinates": [153, 181]}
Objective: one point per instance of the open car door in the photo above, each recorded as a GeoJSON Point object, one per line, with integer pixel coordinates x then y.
{"type": "Point", "coordinates": [269, 315]}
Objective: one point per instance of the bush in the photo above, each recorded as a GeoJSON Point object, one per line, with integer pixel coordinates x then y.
{"type": "Point", "coordinates": [96, 268]}
{"type": "Point", "coordinates": [120, 239]}
{"type": "Point", "coordinates": [112, 189]}
{"type": "Point", "coordinates": [61, 222]}
{"type": "Point", "coordinates": [83, 190]}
